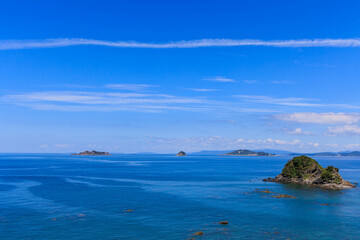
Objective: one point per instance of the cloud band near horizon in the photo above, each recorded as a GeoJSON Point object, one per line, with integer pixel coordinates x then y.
{"type": "Point", "coordinates": [65, 42]}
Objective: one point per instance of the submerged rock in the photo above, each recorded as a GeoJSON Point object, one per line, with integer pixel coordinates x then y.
{"type": "Point", "coordinates": [266, 191]}
{"type": "Point", "coordinates": [223, 222]}
{"type": "Point", "coordinates": [305, 170]}
{"type": "Point", "coordinates": [283, 196]}
{"type": "Point", "coordinates": [181, 153]}
{"type": "Point", "coordinates": [199, 233]}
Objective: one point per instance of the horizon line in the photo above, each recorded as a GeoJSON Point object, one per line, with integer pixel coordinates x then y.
{"type": "Point", "coordinates": [191, 152]}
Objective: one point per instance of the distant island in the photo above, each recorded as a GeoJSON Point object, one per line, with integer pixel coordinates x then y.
{"type": "Point", "coordinates": [275, 152]}
{"type": "Point", "coordinates": [244, 152]}
{"type": "Point", "coordinates": [181, 154]}
{"type": "Point", "coordinates": [92, 153]}
{"type": "Point", "coordinates": [330, 154]}
{"type": "Point", "coordinates": [307, 171]}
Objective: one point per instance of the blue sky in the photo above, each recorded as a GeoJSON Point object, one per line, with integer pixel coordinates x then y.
{"type": "Point", "coordinates": [165, 76]}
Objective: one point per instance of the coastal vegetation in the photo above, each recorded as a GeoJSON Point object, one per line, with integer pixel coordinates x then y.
{"type": "Point", "coordinates": [331, 174]}
{"type": "Point", "coordinates": [301, 167]}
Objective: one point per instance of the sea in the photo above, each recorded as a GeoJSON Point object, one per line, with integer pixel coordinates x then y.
{"type": "Point", "coordinates": [123, 196]}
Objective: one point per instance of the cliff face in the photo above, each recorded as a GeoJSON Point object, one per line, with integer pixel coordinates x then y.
{"type": "Point", "coordinates": [305, 170]}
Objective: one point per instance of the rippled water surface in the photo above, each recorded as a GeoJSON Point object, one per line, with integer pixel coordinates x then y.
{"type": "Point", "coordinates": [58, 196]}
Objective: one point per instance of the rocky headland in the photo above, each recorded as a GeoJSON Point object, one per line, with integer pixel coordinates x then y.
{"type": "Point", "coordinates": [92, 153]}
{"type": "Point", "coordinates": [307, 171]}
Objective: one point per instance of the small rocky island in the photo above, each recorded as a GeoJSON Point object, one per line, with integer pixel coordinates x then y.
{"type": "Point", "coordinates": [181, 154]}
{"type": "Point", "coordinates": [305, 170]}
{"type": "Point", "coordinates": [244, 152]}
{"type": "Point", "coordinates": [92, 153]}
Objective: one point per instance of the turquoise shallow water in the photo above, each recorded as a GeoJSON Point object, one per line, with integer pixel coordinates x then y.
{"type": "Point", "coordinates": [57, 196]}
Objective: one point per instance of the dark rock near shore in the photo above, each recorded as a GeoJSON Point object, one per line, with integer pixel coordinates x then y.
{"type": "Point", "coordinates": [92, 153]}
{"type": "Point", "coordinates": [307, 171]}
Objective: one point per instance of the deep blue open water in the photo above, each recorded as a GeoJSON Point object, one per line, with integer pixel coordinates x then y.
{"type": "Point", "coordinates": [58, 196]}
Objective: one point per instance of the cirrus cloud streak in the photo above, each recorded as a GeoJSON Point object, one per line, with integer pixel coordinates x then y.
{"type": "Point", "coordinates": [320, 118]}
{"type": "Point", "coordinates": [65, 42]}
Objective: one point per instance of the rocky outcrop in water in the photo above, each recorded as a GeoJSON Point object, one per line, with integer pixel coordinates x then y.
{"type": "Point", "coordinates": [307, 171]}
{"type": "Point", "coordinates": [181, 154]}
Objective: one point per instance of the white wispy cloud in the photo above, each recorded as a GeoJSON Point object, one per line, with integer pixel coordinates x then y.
{"type": "Point", "coordinates": [293, 101]}
{"type": "Point", "coordinates": [121, 101]}
{"type": "Point", "coordinates": [155, 102]}
{"type": "Point", "coordinates": [332, 145]}
{"type": "Point", "coordinates": [250, 81]}
{"type": "Point", "coordinates": [203, 89]}
{"type": "Point", "coordinates": [75, 101]}
{"type": "Point", "coordinates": [131, 87]}
{"type": "Point", "coordinates": [283, 82]}
{"type": "Point", "coordinates": [219, 79]}
{"type": "Point", "coordinates": [298, 131]}
{"type": "Point", "coordinates": [219, 121]}
{"type": "Point", "coordinates": [104, 101]}
{"type": "Point", "coordinates": [352, 146]}
{"type": "Point", "coordinates": [317, 64]}
{"type": "Point", "coordinates": [320, 118]}
{"type": "Point", "coordinates": [343, 130]}
{"type": "Point", "coordinates": [61, 145]}
{"type": "Point", "coordinates": [282, 142]}
{"type": "Point", "coordinates": [297, 102]}
{"type": "Point", "coordinates": [64, 42]}
{"type": "Point", "coordinates": [110, 108]}
{"type": "Point", "coordinates": [314, 144]}
{"type": "Point", "coordinates": [99, 98]}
